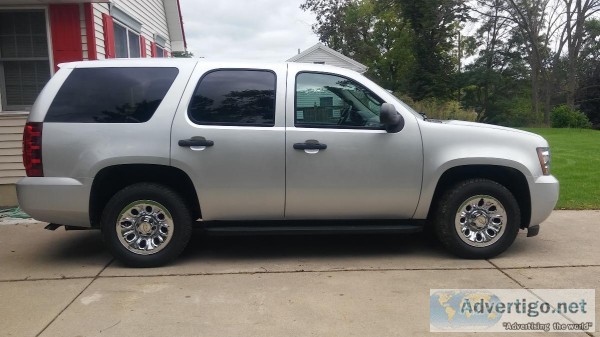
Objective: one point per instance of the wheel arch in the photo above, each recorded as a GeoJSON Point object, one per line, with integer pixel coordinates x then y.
{"type": "Point", "coordinates": [511, 178]}
{"type": "Point", "coordinates": [111, 179]}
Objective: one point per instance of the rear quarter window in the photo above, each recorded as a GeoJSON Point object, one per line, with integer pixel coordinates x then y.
{"type": "Point", "coordinates": [111, 95]}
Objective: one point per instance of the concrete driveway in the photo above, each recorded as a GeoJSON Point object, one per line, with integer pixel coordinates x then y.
{"type": "Point", "coordinates": [66, 284]}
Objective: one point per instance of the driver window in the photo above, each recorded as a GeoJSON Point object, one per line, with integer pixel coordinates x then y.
{"type": "Point", "coordinates": [329, 101]}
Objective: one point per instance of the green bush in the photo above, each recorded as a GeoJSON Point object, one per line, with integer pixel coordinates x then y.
{"type": "Point", "coordinates": [564, 117]}
{"type": "Point", "coordinates": [513, 112]}
{"type": "Point", "coordinates": [439, 109]}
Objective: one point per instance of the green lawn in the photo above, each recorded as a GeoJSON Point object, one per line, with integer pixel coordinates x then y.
{"type": "Point", "coordinates": [576, 164]}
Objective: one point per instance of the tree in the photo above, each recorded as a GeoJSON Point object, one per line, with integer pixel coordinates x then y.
{"type": "Point", "coordinates": [588, 91]}
{"type": "Point", "coordinates": [370, 32]}
{"type": "Point", "coordinates": [434, 24]}
{"type": "Point", "coordinates": [183, 54]}
{"type": "Point", "coordinates": [577, 13]}
{"type": "Point", "coordinates": [486, 72]}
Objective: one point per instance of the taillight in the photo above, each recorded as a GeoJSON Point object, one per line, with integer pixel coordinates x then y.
{"type": "Point", "coordinates": [32, 149]}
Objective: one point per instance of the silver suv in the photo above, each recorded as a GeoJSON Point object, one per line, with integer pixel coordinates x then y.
{"type": "Point", "coordinates": [142, 149]}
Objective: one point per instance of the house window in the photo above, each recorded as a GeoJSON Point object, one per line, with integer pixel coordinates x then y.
{"type": "Point", "coordinates": [24, 59]}
{"type": "Point", "coordinates": [160, 51]}
{"type": "Point", "coordinates": [127, 42]}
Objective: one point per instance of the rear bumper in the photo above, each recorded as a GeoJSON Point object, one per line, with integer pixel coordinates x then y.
{"type": "Point", "coordinates": [544, 195]}
{"type": "Point", "coordinates": [63, 201]}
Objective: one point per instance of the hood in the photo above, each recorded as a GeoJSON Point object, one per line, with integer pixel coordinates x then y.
{"type": "Point", "coordinates": [488, 126]}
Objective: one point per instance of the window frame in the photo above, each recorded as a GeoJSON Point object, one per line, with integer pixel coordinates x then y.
{"type": "Point", "coordinates": [4, 107]}
{"type": "Point", "coordinates": [322, 126]}
{"type": "Point", "coordinates": [128, 43]}
{"type": "Point", "coordinates": [159, 51]}
{"type": "Point", "coordinates": [160, 44]}
{"type": "Point", "coordinates": [196, 122]}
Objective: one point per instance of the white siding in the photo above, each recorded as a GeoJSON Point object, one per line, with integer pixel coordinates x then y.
{"type": "Point", "coordinates": [83, 32]}
{"type": "Point", "coordinates": [313, 98]}
{"type": "Point", "coordinates": [99, 9]}
{"type": "Point", "coordinates": [11, 135]}
{"type": "Point", "coordinates": [150, 13]}
{"type": "Point", "coordinates": [323, 56]}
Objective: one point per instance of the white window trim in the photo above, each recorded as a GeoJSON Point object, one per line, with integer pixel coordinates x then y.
{"type": "Point", "coordinates": [127, 30]}
{"type": "Point", "coordinates": [50, 51]}
{"type": "Point", "coordinates": [160, 41]}
{"type": "Point", "coordinates": [126, 19]}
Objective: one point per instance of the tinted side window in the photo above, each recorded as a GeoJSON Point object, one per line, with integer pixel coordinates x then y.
{"type": "Point", "coordinates": [111, 95]}
{"type": "Point", "coordinates": [235, 97]}
{"type": "Point", "coordinates": [329, 101]}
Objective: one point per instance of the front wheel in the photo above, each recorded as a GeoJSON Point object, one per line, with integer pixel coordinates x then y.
{"type": "Point", "coordinates": [146, 225]}
{"type": "Point", "coordinates": [477, 219]}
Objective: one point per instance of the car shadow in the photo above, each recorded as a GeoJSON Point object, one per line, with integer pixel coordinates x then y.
{"type": "Point", "coordinates": [253, 247]}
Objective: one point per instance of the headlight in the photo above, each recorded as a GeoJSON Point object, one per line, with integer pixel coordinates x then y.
{"type": "Point", "coordinates": [544, 156]}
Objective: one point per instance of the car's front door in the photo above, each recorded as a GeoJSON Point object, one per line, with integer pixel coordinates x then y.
{"type": "Point", "coordinates": [228, 135]}
{"type": "Point", "coordinates": [340, 162]}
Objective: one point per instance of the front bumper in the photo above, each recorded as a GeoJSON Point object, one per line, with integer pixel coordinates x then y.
{"type": "Point", "coordinates": [56, 200]}
{"type": "Point", "coordinates": [544, 195]}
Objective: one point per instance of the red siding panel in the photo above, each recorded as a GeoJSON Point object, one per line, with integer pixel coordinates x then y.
{"type": "Point", "coordinates": [181, 20]}
{"type": "Point", "coordinates": [143, 46]}
{"type": "Point", "coordinates": [90, 31]}
{"type": "Point", "coordinates": [153, 49]}
{"type": "Point", "coordinates": [66, 33]}
{"type": "Point", "coordinates": [109, 35]}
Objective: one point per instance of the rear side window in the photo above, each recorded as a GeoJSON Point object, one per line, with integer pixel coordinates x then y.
{"type": "Point", "coordinates": [111, 95]}
{"type": "Point", "coordinates": [235, 97]}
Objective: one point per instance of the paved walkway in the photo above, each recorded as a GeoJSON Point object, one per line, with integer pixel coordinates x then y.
{"type": "Point", "coordinates": [66, 284]}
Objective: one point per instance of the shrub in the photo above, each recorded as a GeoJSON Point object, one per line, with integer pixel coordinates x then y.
{"type": "Point", "coordinates": [439, 109]}
{"type": "Point", "coordinates": [514, 112]}
{"type": "Point", "coordinates": [564, 117]}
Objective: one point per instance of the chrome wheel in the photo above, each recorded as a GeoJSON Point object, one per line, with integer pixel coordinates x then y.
{"type": "Point", "coordinates": [480, 220]}
{"type": "Point", "coordinates": [144, 227]}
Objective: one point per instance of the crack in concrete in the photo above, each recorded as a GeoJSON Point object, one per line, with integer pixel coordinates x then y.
{"type": "Point", "coordinates": [529, 290]}
{"type": "Point", "coordinates": [265, 271]}
{"type": "Point", "coordinates": [74, 298]}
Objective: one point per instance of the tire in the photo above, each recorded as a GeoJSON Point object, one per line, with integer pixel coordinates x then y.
{"type": "Point", "coordinates": [146, 225]}
{"type": "Point", "coordinates": [470, 212]}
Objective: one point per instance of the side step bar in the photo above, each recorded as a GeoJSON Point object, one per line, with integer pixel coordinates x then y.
{"type": "Point", "coordinates": [52, 226]}
{"type": "Point", "coordinates": [324, 227]}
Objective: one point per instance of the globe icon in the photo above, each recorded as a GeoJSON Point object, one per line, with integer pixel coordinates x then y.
{"type": "Point", "coordinates": [449, 310]}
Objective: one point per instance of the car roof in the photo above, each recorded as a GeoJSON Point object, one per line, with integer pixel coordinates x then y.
{"type": "Point", "coordinates": [176, 62]}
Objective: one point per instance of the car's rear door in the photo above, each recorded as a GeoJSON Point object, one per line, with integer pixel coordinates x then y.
{"type": "Point", "coordinates": [229, 135]}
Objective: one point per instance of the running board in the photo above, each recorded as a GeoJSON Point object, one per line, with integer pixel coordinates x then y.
{"type": "Point", "coordinates": [244, 228]}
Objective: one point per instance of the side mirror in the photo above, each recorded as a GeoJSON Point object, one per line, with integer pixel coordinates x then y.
{"type": "Point", "coordinates": [390, 118]}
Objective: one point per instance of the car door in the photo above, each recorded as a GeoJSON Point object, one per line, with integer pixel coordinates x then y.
{"type": "Point", "coordinates": [228, 135]}
{"type": "Point", "coordinates": [340, 162]}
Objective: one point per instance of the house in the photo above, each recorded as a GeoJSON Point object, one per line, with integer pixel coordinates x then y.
{"type": "Point", "coordinates": [321, 54]}
{"type": "Point", "coordinates": [37, 35]}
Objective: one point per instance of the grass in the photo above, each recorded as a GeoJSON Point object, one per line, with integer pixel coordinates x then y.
{"type": "Point", "coordinates": [576, 164]}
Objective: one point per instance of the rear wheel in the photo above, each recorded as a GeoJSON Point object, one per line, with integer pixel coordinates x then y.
{"type": "Point", "coordinates": [477, 219]}
{"type": "Point", "coordinates": [146, 225]}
